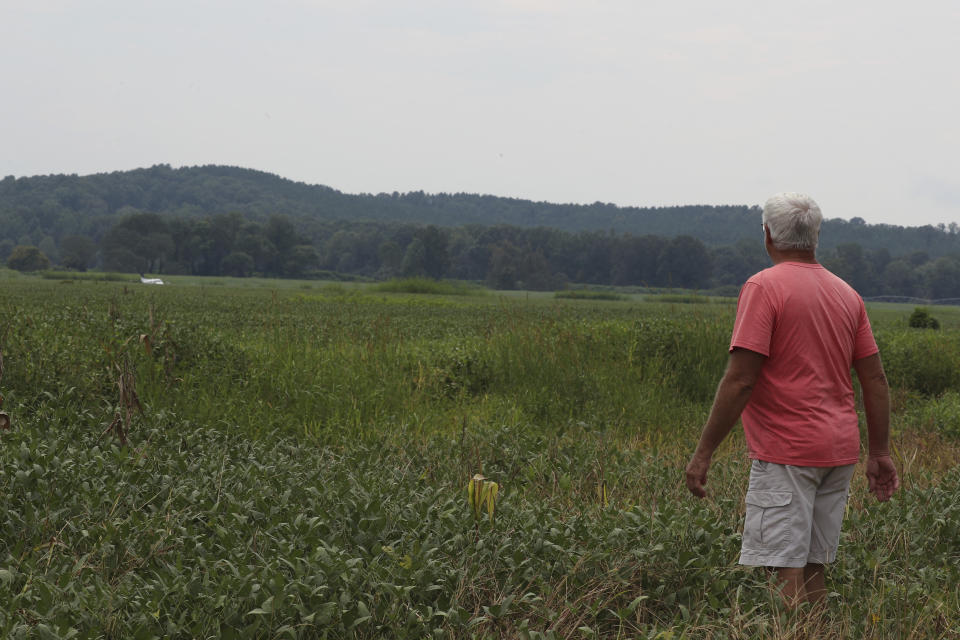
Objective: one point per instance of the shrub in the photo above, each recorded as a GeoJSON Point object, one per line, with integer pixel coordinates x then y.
{"type": "Point", "coordinates": [921, 319]}
{"type": "Point", "coordinates": [27, 258]}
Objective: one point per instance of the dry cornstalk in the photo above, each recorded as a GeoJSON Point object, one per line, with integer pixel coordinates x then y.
{"type": "Point", "coordinates": [129, 402]}
{"type": "Point", "coordinates": [4, 418]}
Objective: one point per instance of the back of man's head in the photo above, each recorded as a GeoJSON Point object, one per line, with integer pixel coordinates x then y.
{"type": "Point", "coordinates": [793, 220]}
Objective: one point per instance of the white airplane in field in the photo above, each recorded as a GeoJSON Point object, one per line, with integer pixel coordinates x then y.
{"type": "Point", "coordinates": [150, 280]}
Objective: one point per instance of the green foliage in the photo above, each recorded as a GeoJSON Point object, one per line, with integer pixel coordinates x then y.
{"type": "Point", "coordinates": [921, 361]}
{"type": "Point", "coordinates": [299, 470]}
{"type": "Point", "coordinates": [212, 190]}
{"type": "Point", "coordinates": [678, 298]}
{"type": "Point", "coordinates": [921, 319]}
{"type": "Point", "coordinates": [139, 242]}
{"type": "Point", "coordinates": [427, 286]}
{"type": "Point", "coordinates": [197, 532]}
{"type": "Point", "coordinates": [89, 277]}
{"type": "Point", "coordinates": [237, 264]}
{"type": "Point", "coordinates": [939, 415]}
{"type": "Point", "coordinates": [586, 294]}
{"type": "Point", "coordinates": [174, 221]}
{"type": "Point", "coordinates": [77, 252]}
{"type": "Point", "coordinates": [684, 263]}
{"type": "Point", "coordinates": [27, 258]}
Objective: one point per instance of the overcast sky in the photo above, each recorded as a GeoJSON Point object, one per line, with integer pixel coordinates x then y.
{"type": "Point", "coordinates": [627, 101]}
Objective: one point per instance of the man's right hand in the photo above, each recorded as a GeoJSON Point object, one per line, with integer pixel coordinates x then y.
{"type": "Point", "coordinates": [696, 475]}
{"type": "Point", "coordinates": [734, 391]}
{"type": "Point", "coordinates": [882, 476]}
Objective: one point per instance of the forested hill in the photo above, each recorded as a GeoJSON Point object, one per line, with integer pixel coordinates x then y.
{"type": "Point", "coordinates": [32, 208]}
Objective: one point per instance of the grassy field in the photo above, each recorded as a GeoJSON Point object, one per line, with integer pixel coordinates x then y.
{"type": "Point", "coordinates": [291, 459]}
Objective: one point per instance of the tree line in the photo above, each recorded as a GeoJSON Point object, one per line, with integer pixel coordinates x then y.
{"type": "Point", "coordinates": [501, 256]}
{"type": "Point", "coordinates": [42, 211]}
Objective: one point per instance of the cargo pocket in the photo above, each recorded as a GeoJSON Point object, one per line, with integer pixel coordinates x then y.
{"type": "Point", "coordinates": [768, 523]}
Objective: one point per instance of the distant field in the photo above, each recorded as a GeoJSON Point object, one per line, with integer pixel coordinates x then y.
{"type": "Point", "coordinates": [296, 456]}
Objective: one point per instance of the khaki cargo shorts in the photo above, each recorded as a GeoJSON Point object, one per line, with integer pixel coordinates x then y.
{"type": "Point", "coordinates": [794, 514]}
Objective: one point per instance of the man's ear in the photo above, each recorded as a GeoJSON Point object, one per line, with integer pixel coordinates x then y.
{"type": "Point", "coordinates": [768, 242]}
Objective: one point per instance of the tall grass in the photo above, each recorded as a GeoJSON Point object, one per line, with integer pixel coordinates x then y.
{"type": "Point", "coordinates": [586, 294]}
{"type": "Point", "coordinates": [91, 276]}
{"type": "Point", "coordinates": [678, 298]}
{"type": "Point", "coordinates": [428, 286]}
{"type": "Point", "coordinates": [923, 361]}
{"type": "Point", "coordinates": [299, 466]}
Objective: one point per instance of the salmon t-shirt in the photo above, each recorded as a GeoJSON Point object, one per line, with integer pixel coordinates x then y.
{"type": "Point", "coordinates": [811, 325]}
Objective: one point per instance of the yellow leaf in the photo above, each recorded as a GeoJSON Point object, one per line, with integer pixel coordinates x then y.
{"type": "Point", "coordinates": [492, 489]}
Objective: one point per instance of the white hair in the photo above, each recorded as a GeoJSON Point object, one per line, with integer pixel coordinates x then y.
{"type": "Point", "coordinates": [793, 220]}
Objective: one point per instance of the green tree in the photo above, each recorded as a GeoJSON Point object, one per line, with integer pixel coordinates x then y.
{"type": "Point", "coordinates": [635, 259]}
{"type": "Point", "coordinates": [849, 263]}
{"type": "Point", "coordinates": [145, 236]}
{"type": "Point", "coordinates": [299, 260]}
{"type": "Point", "coordinates": [414, 259]}
{"type": "Point", "coordinates": [436, 258]}
{"type": "Point", "coordinates": [504, 272]}
{"type": "Point", "coordinates": [283, 237]}
{"type": "Point", "coordinates": [48, 247]}
{"type": "Point", "coordinates": [535, 273]}
{"type": "Point", "coordinates": [942, 278]}
{"type": "Point", "coordinates": [339, 252]}
{"type": "Point", "coordinates": [237, 264]}
{"type": "Point", "coordinates": [900, 278]}
{"type": "Point", "coordinates": [685, 263]}
{"type": "Point", "coordinates": [77, 252]}
{"type": "Point", "coordinates": [27, 258]}
{"type": "Point", "coordinates": [6, 246]}
{"type": "Point", "coordinates": [879, 259]}
{"type": "Point", "coordinates": [252, 241]}
{"type": "Point", "coordinates": [213, 238]}
{"type": "Point", "coordinates": [281, 232]}
{"type": "Point", "coordinates": [118, 258]}
{"type": "Point", "coordinates": [390, 258]}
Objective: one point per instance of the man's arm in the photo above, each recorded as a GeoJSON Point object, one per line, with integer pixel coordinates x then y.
{"type": "Point", "coordinates": [733, 393]}
{"type": "Point", "coordinates": [881, 472]}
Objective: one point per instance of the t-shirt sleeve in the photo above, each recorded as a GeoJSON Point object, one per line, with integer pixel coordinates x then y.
{"type": "Point", "coordinates": [756, 318]}
{"type": "Point", "coordinates": [865, 345]}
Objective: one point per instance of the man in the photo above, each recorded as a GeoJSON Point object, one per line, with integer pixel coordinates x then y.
{"type": "Point", "coordinates": [798, 331]}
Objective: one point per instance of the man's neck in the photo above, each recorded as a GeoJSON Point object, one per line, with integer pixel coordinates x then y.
{"type": "Point", "coordinates": [778, 256]}
{"type": "Point", "coordinates": [808, 256]}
